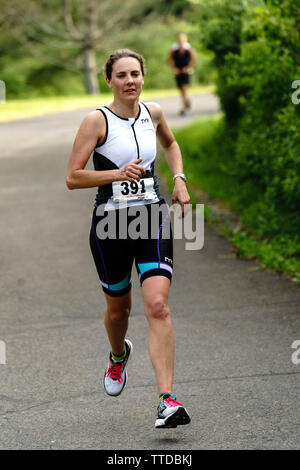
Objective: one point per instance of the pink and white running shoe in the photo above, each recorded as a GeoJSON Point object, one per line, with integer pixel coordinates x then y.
{"type": "Point", "coordinates": [115, 376]}
{"type": "Point", "coordinates": [171, 413]}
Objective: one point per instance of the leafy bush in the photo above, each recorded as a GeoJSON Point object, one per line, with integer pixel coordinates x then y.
{"type": "Point", "coordinates": [50, 80]}
{"type": "Point", "coordinates": [267, 141]}
{"type": "Point", "coordinates": [206, 149]}
{"type": "Point", "coordinates": [251, 158]}
{"type": "Point", "coordinates": [221, 33]}
{"type": "Point", "coordinates": [257, 59]}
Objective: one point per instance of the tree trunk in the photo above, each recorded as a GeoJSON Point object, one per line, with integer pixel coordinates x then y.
{"type": "Point", "coordinates": [90, 71]}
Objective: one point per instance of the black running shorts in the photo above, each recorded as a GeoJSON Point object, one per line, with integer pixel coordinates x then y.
{"type": "Point", "coordinates": [182, 79]}
{"type": "Point", "coordinates": [114, 256]}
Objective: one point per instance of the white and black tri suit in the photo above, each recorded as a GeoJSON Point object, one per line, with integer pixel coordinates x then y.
{"type": "Point", "coordinates": [181, 60]}
{"type": "Point", "coordinates": [126, 140]}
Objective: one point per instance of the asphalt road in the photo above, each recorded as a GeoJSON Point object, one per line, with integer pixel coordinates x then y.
{"type": "Point", "coordinates": [234, 326]}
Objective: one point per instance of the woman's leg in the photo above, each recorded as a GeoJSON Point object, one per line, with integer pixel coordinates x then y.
{"type": "Point", "coordinates": [116, 320]}
{"type": "Point", "coordinates": [116, 323]}
{"type": "Point", "coordinates": [155, 292]}
{"type": "Point", "coordinates": [184, 95]}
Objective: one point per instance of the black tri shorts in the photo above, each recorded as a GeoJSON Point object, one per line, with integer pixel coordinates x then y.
{"type": "Point", "coordinates": [145, 237]}
{"type": "Point", "coordinates": [182, 79]}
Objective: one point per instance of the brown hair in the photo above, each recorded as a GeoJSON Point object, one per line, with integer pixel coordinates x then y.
{"type": "Point", "coordinates": [119, 54]}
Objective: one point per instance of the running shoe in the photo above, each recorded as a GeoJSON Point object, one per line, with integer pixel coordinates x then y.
{"type": "Point", "coordinates": [115, 376]}
{"type": "Point", "coordinates": [171, 413]}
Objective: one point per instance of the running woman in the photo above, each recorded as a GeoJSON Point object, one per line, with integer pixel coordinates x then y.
{"type": "Point", "coordinates": [182, 58]}
{"type": "Point", "coordinates": [122, 137]}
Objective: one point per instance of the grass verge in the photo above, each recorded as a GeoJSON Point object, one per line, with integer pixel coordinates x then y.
{"type": "Point", "coordinates": [24, 108]}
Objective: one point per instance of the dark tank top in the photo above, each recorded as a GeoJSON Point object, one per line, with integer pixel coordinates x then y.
{"type": "Point", "coordinates": [181, 59]}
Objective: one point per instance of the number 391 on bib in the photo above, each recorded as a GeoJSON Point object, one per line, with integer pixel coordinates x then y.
{"type": "Point", "coordinates": [133, 190]}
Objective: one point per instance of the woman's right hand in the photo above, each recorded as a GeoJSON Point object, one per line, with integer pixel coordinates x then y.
{"type": "Point", "coordinates": [132, 172]}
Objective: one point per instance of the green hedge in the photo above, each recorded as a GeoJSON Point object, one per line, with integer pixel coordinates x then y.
{"type": "Point", "coordinates": [251, 158]}
{"type": "Point", "coordinates": [208, 151]}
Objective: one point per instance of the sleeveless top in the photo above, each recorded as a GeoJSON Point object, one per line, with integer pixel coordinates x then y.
{"type": "Point", "coordinates": [126, 140]}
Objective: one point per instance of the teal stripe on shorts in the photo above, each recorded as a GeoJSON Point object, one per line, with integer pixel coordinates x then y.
{"type": "Point", "coordinates": [119, 285]}
{"type": "Point", "coordinates": [144, 267]}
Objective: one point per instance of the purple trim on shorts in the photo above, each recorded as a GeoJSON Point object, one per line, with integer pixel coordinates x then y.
{"type": "Point", "coordinates": [158, 239]}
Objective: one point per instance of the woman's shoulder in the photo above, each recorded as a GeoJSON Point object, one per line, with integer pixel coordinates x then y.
{"type": "Point", "coordinates": [94, 123]}
{"type": "Point", "coordinates": [95, 117]}
{"type": "Point", "coordinates": [186, 46]}
{"type": "Point", "coordinates": [154, 109]}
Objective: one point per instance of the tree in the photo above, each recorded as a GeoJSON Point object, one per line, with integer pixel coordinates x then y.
{"type": "Point", "coordinates": [69, 33]}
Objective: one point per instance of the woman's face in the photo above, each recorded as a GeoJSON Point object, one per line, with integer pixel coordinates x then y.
{"type": "Point", "coordinates": [126, 79]}
{"type": "Point", "coordinates": [182, 38]}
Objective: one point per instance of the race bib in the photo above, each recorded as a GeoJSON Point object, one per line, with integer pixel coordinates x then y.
{"type": "Point", "coordinates": [133, 190]}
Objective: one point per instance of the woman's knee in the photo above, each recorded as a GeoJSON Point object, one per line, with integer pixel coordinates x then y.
{"type": "Point", "coordinates": [118, 310]}
{"type": "Point", "coordinates": [157, 308]}
{"type": "Point", "coordinates": [118, 315]}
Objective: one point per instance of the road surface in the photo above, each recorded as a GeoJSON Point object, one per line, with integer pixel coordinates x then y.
{"type": "Point", "coordinates": [234, 326]}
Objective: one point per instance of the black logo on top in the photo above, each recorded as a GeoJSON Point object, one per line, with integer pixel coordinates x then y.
{"type": "Point", "coordinates": [144, 120]}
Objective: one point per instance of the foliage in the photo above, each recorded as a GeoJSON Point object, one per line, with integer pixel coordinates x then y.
{"type": "Point", "coordinates": [221, 23]}
{"type": "Point", "coordinates": [207, 148]}
{"type": "Point", "coordinates": [220, 27]}
{"type": "Point", "coordinates": [256, 53]}
{"type": "Point", "coordinates": [251, 158]}
{"type": "Point", "coordinates": [39, 57]}
{"type": "Point", "coordinates": [167, 7]}
{"type": "Point", "coordinates": [279, 254]}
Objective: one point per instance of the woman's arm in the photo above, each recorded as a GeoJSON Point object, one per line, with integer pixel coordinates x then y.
{"type": "Point", "coordinates": [193, 56]}
{"type": "Point", "coordinates": [170, 59]}
{"type": "Point", "coordinates": [172, 152]}
{"type": "Point", "coordinates": [92, 132]}
{"type": "Point", "coordinates": [171, 62]}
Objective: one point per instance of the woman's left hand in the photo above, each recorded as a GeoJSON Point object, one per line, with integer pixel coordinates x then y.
{"type": "Point", "coordinates": [181, 195]}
